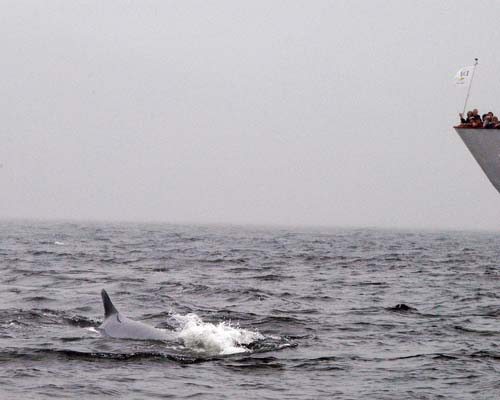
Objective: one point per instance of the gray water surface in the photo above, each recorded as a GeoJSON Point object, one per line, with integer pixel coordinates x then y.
{"type": "Point", "coordinates": [319, 312]}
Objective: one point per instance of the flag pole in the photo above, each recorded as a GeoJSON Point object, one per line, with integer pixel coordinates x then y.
{"type": "Point", "coordinates": [470, 84]}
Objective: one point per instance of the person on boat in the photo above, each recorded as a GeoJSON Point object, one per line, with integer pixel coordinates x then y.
{"type": "Point", "coordinates": [488, 121]}
{"type": "Point", "coordinates": [495, 122]}
{"type": "Point", "coordinates": [465, 120]}
{"type": "Point", "coordinates": [475, 114]}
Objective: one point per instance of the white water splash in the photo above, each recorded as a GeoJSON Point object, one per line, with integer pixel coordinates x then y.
{"type": "Point", "coordinates": [221, 338]}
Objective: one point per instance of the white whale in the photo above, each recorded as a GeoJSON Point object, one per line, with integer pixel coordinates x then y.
{"type": "Point", "coordinates": [116, 325]}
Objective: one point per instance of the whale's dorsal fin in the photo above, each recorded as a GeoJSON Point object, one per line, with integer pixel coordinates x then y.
{"type": "Point", "coordinates": [109, 308]}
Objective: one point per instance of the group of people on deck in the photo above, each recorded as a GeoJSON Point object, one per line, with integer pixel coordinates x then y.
{"type": "Point", "coordinates": [474, 120]}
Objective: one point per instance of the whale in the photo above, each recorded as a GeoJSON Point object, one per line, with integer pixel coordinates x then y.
{"type": "Point", "coordinates": [116, 325]}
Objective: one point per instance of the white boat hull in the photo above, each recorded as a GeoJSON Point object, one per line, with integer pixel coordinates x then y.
{"type": "Point", "coordinates": [484, 144]}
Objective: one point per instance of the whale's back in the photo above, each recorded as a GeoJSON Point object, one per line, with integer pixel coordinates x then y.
{"type": "Point", "coordinates": [118, 326]}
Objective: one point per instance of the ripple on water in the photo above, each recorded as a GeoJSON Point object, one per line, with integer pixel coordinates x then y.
{"type": "Point", "coordinates": [340, 313]}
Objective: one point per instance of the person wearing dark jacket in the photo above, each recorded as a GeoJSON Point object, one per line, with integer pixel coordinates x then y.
{"type": "Point", "coordinates": [475, 115]}
{"type": "Point", "coordinates": [465, 120]}
{"type": "Point", "coordinates": [487, 122]}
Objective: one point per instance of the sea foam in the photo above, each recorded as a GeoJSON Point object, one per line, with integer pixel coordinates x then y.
{"type": "Point", "coordinates": [221, 338]}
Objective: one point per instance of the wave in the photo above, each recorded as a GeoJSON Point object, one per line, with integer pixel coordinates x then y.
{"type": "Point", "coordinates": [37, 354]}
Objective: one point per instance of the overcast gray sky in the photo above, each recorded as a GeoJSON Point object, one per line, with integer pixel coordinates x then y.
{"type": "Point", "coordinates": [266, 112]}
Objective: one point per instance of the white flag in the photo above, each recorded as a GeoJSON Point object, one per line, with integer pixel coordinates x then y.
{"type": "Point", "coordinates": [463, 75]}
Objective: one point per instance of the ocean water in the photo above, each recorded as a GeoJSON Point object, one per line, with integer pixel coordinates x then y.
{"type": "Point", "coordinates": [254, 313]}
